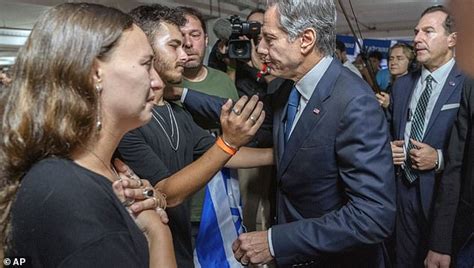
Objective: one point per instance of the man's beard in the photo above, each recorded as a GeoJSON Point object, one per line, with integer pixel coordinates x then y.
{"type": "Point", "coordinates": [192, 65]}
{"type": "Point", "coordinates": [174, 80]}
{"type": "Point", "coordinates": [168, 75]}
{"type": "Point", "coordinates": [171, 78]}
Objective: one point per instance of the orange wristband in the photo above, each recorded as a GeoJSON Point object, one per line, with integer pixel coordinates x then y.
{"type": "Point", "coordinates": [225, 147]}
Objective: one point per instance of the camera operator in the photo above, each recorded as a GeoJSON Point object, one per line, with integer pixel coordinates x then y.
{"type": "Point", "coordinates": [238, 57]}
{"type": "Point", "coordinates": [236, 54]}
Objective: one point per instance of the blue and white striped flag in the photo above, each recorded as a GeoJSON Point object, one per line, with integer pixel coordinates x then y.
{"type": "Point", "coordinates": [221, 222]}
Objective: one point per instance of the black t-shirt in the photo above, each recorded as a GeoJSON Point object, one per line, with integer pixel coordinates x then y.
{"type": "Point", "coordinates": [147, 150]}
{"type": "Point", "coordinates": [67, 216]}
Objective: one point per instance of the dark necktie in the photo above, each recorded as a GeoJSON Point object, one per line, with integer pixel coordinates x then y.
{"type": "Point", "coordinates": [417, 126]}
{"type": "Point", "coordinates": [291, 110]}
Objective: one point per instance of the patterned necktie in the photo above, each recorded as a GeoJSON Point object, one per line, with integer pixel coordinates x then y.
{"type": "Point", "coordinates": [417, 126]}
{"type": "Point", "coordinates": [291, 110]}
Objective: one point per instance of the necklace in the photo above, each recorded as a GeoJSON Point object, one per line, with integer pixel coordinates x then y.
{"type": "Point", "coordinates": [109, 168]}
{"type": "Point", "coordinates": [173, 124]}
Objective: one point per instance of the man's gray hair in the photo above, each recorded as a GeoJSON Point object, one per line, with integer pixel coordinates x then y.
{"type": "Point", "coordinates": [298, 15]}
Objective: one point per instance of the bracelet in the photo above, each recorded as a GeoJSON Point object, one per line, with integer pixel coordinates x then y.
{"type": "Point", "coordinates": [160, 198]}
{"type": "Point", "coordinates": [225, 146]}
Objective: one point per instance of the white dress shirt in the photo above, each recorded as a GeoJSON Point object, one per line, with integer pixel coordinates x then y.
{"type": "Point", "coordinates": [439, 79]}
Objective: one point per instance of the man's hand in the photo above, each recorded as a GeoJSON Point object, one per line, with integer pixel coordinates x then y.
{"type": "Point", "coordinates": [398, 154]}
{"type": "Point", "coordinates": [252, 248]}
{"type": "Point", "coordinates": [435, 260]}
{"type": "Point", "coordinates": [423, 156]}
{"type": "Point", "coordinates": [240, 122]}
{"type": "Point", "coordinates": [383, 98]}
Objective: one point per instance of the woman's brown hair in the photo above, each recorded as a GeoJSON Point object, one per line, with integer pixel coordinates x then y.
{"type": "Point", "coordinates": [50, 108]}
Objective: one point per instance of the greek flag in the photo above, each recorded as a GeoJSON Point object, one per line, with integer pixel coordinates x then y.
{"type": "Point", "coordinates": [221, 222]}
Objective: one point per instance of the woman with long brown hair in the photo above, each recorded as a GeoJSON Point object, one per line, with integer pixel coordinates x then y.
{"type": "Point", "coordinates": [83, 79]}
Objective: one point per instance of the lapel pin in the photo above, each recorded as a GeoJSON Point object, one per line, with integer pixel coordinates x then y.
{"type": "Point", "coordinates": [316, 111]}
{"type": "Point", "coordinates": [451, 83]}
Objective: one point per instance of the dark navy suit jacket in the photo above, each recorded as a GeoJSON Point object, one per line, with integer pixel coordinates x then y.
{"type": "Point", "coordinates": [336, 187]}
{"type": "Point", "coordinates": [438, 128]}
{"type": "Point", "coordinates": [454, 206]}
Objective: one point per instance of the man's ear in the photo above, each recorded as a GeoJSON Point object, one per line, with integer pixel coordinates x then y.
{"type": "Point", "coordinates": [207, 40]}
{"type": "Point", "coordinates": [452, 39]}
{"type": "Point", "coordinates": [308, 40]}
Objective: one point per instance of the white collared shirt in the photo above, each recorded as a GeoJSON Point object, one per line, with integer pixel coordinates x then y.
{"type": "Point", "coordinates": [308, 83]}
{"type": "Point", "coordinates": [440, 76]}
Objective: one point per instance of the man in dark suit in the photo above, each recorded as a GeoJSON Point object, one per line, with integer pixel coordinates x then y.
{"type": "Point", "coordinates": [457, 184]}
{"type": "Point", "coordinates": [454, 206]}
{"type": "Point", "coordinates": [423, 106]}
{"type": "Point", "coordinates": [336, 187]}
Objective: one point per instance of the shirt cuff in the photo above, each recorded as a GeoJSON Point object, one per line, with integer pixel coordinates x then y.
{"type": "Point", "coordinates": [440, 161]}
{"type": "Point", "coordinates": [183, 96]}
{"type": "Point", "coordinates": [270, 244]}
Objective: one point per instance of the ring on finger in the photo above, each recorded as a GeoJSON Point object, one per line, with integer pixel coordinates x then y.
{"type": "Point", "coordinates": [148, 193]}
{"type": "Point", "coordinates": [155, 202]}
{"type": "Point", "coordinates": [252, 118]}
{"type": "Point", "coordinates": [236, 111]}
{"type": "Point", "coordinates": [128, 202]}
{"type": "Point", "coordinates": [130, 174]}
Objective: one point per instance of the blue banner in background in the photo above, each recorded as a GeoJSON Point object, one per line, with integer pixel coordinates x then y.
{"type": "Point", "coordinates": [408, 42]}
{"type": "Point", "coordinates": [349, 42]}
{"type": "Point", "coordinates": [380, 45]}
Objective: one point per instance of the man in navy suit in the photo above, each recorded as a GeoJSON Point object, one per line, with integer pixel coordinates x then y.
{"type": "Point", "coordinates": [452, 231]}
{"type": "Point", "coordinates": [424, 105]}
{"type": "Point", "coordinates": [336, 187]}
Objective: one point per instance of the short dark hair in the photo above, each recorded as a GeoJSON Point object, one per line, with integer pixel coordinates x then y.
{"type": "Point", "coordinates": [254, 11]}
{"type": "Point", "coordinates": [150, 17]}
{"type": "Point", "coordinates": [194, 12]}
{"type": "Point", "coordinates": [448, 24]}
{"type": "Point", "coordinates": [340, 45]}
{"type": "Point", "coordinates": [375, 54]}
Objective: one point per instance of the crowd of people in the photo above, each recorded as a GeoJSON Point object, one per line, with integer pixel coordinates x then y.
{"type": "Point", "coordinates": [102, 149]}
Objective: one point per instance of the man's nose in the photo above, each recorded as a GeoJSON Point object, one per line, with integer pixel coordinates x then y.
{"type": "Point", "coordinates": [187, 41]}
{"type": "Point", "coordinates": [156, 82]}
{"type": "Point", "coordinates": [182, 56]}
{"type": "Point", "coordinates": [262, 47]}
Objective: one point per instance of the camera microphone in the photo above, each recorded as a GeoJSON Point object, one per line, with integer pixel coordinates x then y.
{"type": "Point", "coordinates": [232, 30]}
{"type": "Point", "coordinates": [222, 29]}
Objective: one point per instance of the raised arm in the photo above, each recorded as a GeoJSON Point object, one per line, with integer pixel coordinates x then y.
{"type": "Point", "coordinates": [238, 128]}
